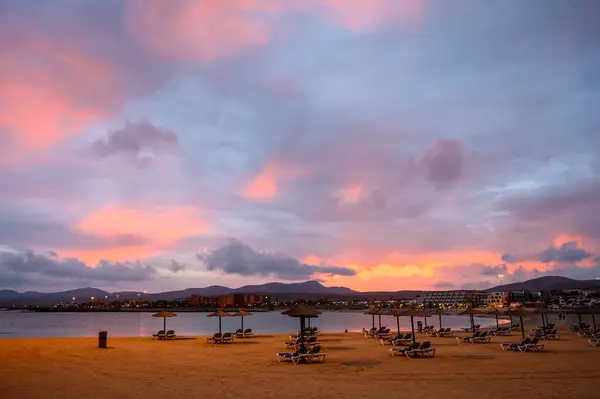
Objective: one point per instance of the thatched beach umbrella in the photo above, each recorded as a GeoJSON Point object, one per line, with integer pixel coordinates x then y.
{"type": "Point", "coordinates": [440, 312]}
{"type": "Point", "coordinates": [303, 313]}
{"type": "Point", "coordinates": [241, 313]}
{"type": "Point", "coordinates": [164, 314]}
{"type": "Point", "coordinates": [220, 313]}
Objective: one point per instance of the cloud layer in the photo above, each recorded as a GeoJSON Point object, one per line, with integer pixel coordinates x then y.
{"type": "Point", "coordinates": [237, 258]}
{"type": "Point", "coordinates": [410, 144]}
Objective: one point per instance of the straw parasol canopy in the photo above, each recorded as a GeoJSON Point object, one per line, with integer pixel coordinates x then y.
{"type": "Point", "coordinates": [219, 313]}
{"type": "Point", "coordinates": [164, 314]}
{"type": "Point", "coordinates": [241, 313]}
{"type": "Point", "coordinates": [302, 312]}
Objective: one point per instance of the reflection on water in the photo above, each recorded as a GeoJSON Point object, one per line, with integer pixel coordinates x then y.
{"type": "Point", "coordinates": [16, 324]}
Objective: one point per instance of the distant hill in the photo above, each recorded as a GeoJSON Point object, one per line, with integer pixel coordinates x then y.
{"type": "Point", "coordinates": [548, 283]}
{"type": "Point", "coordinates": [308, 287]}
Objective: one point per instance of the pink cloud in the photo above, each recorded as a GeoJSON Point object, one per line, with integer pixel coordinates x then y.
{"type": "Point", "coordinates": [160, 230]}
{"type": "Point", "coordinates": [265, 185]}
{"type": "Point", "coordinates": [195, 30]}
{"type": "Point", "coordinates": [52, 91]}
{"type": "Point", "coordinates": [364, 15]}
{"type": "Point", "coordinates": [209, 30]}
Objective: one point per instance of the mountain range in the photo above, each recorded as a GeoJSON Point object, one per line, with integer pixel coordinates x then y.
{"type": "Point", "coordinates": [306, 290]}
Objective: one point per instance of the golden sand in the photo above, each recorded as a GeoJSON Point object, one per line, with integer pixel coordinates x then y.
{"type": "Point", "coordinates": [355, 367]}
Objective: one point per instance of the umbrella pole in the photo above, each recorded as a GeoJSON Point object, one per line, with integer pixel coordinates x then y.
{"type": "Point", "coordinates": [220, 325]}
{"type": "Point", "coordinates": [398, 324]}
{"type": "Point", "coordinates": [580, 321]}
{"type": "Point", "coordinates": [165, 324]}
{"type": "Point", "coordinates": [242, 323]}
{"type": "Point", "coordinates": [440, 316]}
{"type": "Point", "coordinates": [497, 324]}
{"type": "Point", "coordinates": [543, 321]}
{"type": "Point", "coordinates": [594, 321]}
{"type": "Point", "coordinates": [373, 317]}
{"type": "Point", "coordinates": [425, 321]}
{"type": "Point", "coordinates": [379, 321]}
{"type": "Point", "coordinates": [522, 327]}
{"type": "Point", "coordinates": [412, 327]}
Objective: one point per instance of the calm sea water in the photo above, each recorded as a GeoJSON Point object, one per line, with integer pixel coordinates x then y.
{"type": "Point", "coordinates": [17, 324]}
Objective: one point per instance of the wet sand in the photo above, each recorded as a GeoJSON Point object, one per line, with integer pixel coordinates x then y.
{"type": "Point", "coordinates": [355, 367]}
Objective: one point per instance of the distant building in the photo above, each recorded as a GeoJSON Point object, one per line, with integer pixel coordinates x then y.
{"type": "Point", "coordinates": [495, 300]}
{"type": "Point", "coordinates": [462, 298]}
{"type": "Point", "coordinates": [519, 297]}
{"type": "Point", "coordinates": [224, 301]}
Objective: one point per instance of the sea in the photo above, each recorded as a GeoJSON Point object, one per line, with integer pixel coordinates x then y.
{"type": "Point", "coordinates": [29, 324]}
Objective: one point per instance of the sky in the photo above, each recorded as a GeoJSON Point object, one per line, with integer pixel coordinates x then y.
{"type": "Point", "coordinates": [377, 144]}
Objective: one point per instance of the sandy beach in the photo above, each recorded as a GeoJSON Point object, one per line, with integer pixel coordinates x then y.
{"type": "Point", "coordinates": [355, 367]}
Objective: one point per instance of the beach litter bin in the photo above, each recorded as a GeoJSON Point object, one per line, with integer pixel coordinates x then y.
{"type": "Point", "coordinates": [419, 326]}
{"type": "Point", "coordinates": [102, 338]}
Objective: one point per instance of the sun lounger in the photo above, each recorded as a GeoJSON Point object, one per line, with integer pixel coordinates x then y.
{"type": "Point", "coordinates": [594, 342]}
{"type": "Point", "coordinates": [433, 332]}
{"type": "Point", "coordinates": [316, 354]}
{"type": "Point", "coordinates": [469, 339]}
{"type": "Point", "coordinates": [217, 338]}
{"type": "Point", "coordinates": [515, 346]}
{"type": "Point", "coordinates": [424, 350]}
{"type": "Point", "coordinates": [171, 334]}
{"type": "Point", "coordinates": [445, 333]}
{"type": "Point", "coordinates": [401, 351]}
{"type": "Point", "coordinates": [405, 340]}
{"type": "Point", "coordinates": [248, 333]}
{"type": "Point", "coordinates": [292, 344]}
{"type": "Point", "coordinates": [417, 350]}
{"type": "Point", "coordinates": [239, 333]}
{"type": "Point", "coordinates": [484, 338]}
{"type": "Point", "coordinates": [301, 354]}
{"type": "Point", "coordinates": [159, 335]}
{"type": "Point", "coordinates": [503, 331]}
{"type": "Point", "coordinates": [227, 338]}
{"type": "Point", "coordinates": [533, 346]}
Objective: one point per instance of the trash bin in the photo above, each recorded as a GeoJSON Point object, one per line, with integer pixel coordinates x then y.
{"type": "Point", "coordinates": [419, 326]}
{"type": "Point", "coordinates": [102, 338]}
